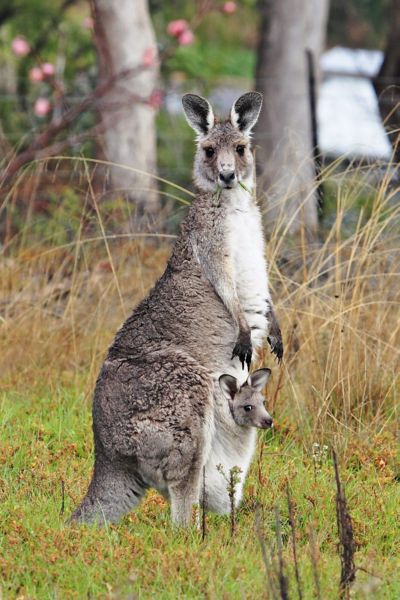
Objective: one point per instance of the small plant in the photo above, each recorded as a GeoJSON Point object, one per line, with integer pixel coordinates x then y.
{"type": "Point", "coordinates": [319, 456]}
{"type": "Point", "coordinates": [233, 479]}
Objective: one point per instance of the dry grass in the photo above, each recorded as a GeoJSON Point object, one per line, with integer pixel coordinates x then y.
{"type": "Point", "coordinates": [337, 300]}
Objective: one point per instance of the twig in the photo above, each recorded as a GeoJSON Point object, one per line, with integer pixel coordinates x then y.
{"type": "Point", "coordinates": [265, 558]}
{"type": "Point", "coordinates": [203, 508]}
{"type": "Point", "coordinates": [293, 530]}
{"type": "Point", "coordinates": [283, 580]}
{"type": "Point", "coordinates": [259, 463]}
{"type": "Point", "coordinates": [346, 537]}
{"type": "Point", "coordinates": [314, 562]}
{"type": "Point", "coordinates": [233, 481]}
{"type": "Point", "coordinates": [314, 130]}
{"type": "Point", "coordinates": [62, 497]}
{"type": "Point", "coordinates": [43, 140]}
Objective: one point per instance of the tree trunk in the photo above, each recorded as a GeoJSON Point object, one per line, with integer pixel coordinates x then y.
{"type": "Point", "coordinates": [284, 138]}
{"type": "Point", "coordinates": [125, 39]}
{"type": "Point", "coordinates": [387, 85]}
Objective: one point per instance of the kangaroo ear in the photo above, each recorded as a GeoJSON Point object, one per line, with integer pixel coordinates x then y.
{"type": "Point", "coordinates": [199, 113]}
{"type": "Point", "coordinates": [245, 111]}
{"type": "Point", "coordinates": [229, 386]}
{"type": "Point", "coordinates": [258, 379]}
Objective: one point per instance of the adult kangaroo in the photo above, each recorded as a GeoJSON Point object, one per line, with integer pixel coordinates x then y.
{"type": "Point", "coordinates": [159, 415]}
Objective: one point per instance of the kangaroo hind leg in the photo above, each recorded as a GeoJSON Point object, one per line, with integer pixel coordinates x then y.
{"type": "Point", "coordinates": [113, 492]}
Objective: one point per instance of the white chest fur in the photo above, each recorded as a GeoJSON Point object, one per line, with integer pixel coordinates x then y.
{"type": "Point", "coordinates": [231, 445]}
{"type": "Point", "coordinates": [247, 248]}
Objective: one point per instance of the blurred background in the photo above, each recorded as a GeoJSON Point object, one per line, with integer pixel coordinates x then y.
{"type": "Point", "coordinates": [95, 171]}
{"type": "Point", "coordinates": [103, 80]}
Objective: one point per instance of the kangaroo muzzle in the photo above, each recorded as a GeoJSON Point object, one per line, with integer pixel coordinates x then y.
{"type": "Point", "coordinates": [227, 179]}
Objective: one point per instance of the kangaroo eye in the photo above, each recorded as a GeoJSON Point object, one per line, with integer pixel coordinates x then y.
{"type": "Point", "coordinates": [248, 408]}
{"type": "Point", "coordinates": [209, 152]}
{"type": "Point", "coordinates": [240, 150]}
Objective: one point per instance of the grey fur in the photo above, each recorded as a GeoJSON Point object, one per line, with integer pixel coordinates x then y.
{"type": "Point", "coordinates": [158, 413]}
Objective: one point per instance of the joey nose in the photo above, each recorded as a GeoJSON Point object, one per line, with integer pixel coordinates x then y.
{"type": "Point", "coordinates": [267, 423]}
{"type": "Point", "coordinates": [227, 177]}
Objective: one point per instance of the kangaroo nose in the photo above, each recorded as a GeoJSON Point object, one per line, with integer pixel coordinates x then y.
{"type": "Point", "coordinates": [227, 176]}
{"type": "Point", "coordinates": [267, 423]}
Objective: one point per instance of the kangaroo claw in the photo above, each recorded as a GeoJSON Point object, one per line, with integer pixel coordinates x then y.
{"type": "Point", "coordinates": [243, 349]}
{"type": "Point", "coordinates": [276, 347]}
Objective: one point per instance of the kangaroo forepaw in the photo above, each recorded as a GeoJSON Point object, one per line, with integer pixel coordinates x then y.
{"type": "Point", "coordinates": [276, 345]}
{"type": "Point", "coordinates": [243, 349]}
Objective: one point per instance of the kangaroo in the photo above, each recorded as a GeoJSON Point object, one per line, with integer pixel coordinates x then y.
{"type": "Point", "coordinates": [246, 402]}
{"type": "Point", "coordinates": [159, 415]}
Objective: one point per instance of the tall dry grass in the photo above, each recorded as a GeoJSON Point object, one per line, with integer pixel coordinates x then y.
{"type": "Point", "coordinates": [337, 299]}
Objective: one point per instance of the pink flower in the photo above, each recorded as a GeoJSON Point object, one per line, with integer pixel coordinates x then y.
{"type": "Point", "coordinates": [42, 107]}
{"type": "Point", "coordinates": [88, 23]}
{"type": "Point", "coordinates": [229, 7]}
{"type": "Point", "coordinates": [176, 28]}
{"type": "Point", "coordinates": [48, 69]}
{"type": "Point", "coordinates": [36, 75]}
{"type": "Point", "coordinates": [186, 38]}
{"type": "Point", "coordinates": [149, 57]}
{"type": "Point", "coordinates": [20, 46]}
{"type": "Point", "coordinates": [156, 98]}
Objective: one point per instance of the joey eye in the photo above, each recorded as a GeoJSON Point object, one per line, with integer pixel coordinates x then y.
{"type": "Point", "coordinates": [240, 150]}
{"type": "Point", "coordinates": [248, 407]}
{"type": "Point", "coordinates": [209, 152]}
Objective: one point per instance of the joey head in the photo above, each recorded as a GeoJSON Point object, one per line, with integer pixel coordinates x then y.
{"type": "Point", "coordinates": [246, 402]}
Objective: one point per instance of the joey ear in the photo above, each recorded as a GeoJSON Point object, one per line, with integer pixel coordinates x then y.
{"type": "Point", "coordinates": [245, 111]}
{"type": "Point", "coordinates": [229, 386]}
{"type": "Point", "coordinates": [199, 113]}
{"type": "Point", "coordinates": [258, 379]}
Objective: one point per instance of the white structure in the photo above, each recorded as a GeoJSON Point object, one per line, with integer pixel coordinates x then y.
{"type": "Point", "coordinates": [348, 114]}
{"type": "Point", "coordinates": [349, 122]}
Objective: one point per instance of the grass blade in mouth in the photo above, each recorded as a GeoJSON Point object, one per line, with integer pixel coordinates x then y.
{"type": "Point", "coordinates": [244, 186]}
{"type": "Point", "coordinates": [216, 196]}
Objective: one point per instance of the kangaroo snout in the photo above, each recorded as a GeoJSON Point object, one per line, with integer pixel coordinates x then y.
{"type": "Point", "coordinates": [227, 178]}
{"type": "Point", "coordinates": [267, 423]}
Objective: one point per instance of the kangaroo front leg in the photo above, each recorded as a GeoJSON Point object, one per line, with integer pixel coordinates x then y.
{"type": "Point", "coordinates": [274, 335]}
{"type": "Point", "coordinates": [217, 266]}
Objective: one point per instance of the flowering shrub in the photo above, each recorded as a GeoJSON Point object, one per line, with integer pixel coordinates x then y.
{"type": "Point", "coordinates": [48, 69]}
{"type": "Point", "coordinates": [41, 31]}
{"type": "Point", "coordinates": [36, 75]}
{"type": "Point", "coordinates": [176, 28]}
{"type": "Point", "coordinates": [229, 7]}
{"type": "Point", "coordinates": [186, 38]}
{"type": "Point", "coordinates": [41, 107]}
{"type": "Point", "coordinates": [181, 31]}
{"type": "Point", "coordinates": [20, 46]}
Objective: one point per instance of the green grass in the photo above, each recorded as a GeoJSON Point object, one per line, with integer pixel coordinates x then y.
{"type": "Point", "coordinates": [64, 291]}
{"type": "Point", "coordinates": [46, 438]}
